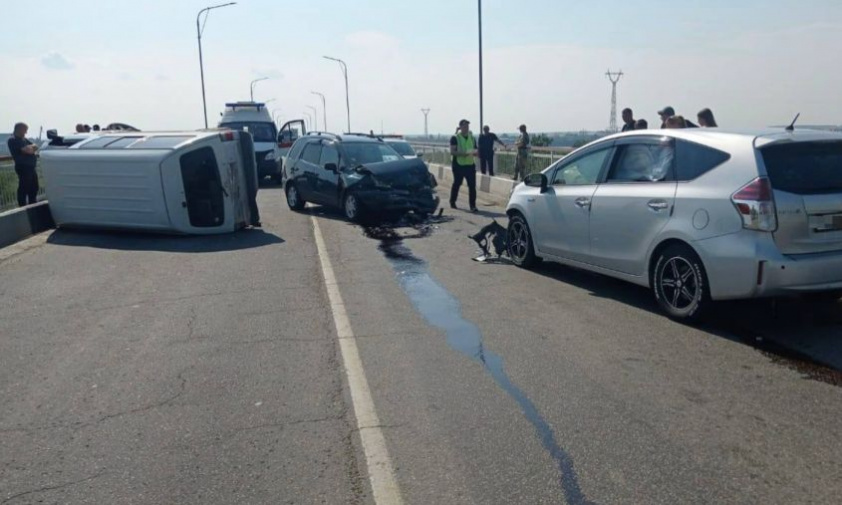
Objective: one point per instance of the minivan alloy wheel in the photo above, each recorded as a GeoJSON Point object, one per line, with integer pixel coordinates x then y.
{"type": "Point", "coordinates": [518, 240]}
{"type": "Point", "coordinates": [679, 283]}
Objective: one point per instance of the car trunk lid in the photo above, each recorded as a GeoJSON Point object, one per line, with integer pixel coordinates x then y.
{"type": "Point", "coordinates": [806, 178]}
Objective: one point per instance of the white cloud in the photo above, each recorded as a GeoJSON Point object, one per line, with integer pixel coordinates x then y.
{"type": "Point", "coordinates": [55, 61]}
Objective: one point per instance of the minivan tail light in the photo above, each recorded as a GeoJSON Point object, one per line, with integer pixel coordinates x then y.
{"type": "Point", "coordinates": [226, 136]}
{"type": "Point", "coordinates": [755, 205]}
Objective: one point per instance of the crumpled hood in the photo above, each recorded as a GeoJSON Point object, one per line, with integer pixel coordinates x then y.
{"type": "Point", "coordinates": [387, 168]}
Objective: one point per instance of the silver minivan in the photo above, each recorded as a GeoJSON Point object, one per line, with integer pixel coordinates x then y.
{"type": "Point", "coordinates": [694, 214]}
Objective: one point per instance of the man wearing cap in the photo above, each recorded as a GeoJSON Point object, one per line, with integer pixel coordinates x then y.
{"type": "Point", "coordinates": [463, 148]}
{"type": "Point", "coordinates": [666, 113]}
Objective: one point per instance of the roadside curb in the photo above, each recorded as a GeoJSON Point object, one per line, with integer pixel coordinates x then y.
{"type": "Point", "coordinates": [19, 224]}
{"type": "Point", "coordinates": [497, 186]}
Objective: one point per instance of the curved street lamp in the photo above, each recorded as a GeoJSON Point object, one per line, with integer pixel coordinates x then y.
{"type": "Point", "coordinates": [199, 30]}
{"type": "Point", "coordinates": [315, 116]}
{"type": "Point", "coordinates": [255, 82]}
{"type": "Point", "coordinates": [274, 118]}
{"type": "Point", "coordinates": [309, 120]}
{"type": "Point", "coordinates": [347, 101]}
{"type": "Point", "coordinates": [324, 109]}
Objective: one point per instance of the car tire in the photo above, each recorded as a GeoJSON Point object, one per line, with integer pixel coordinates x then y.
{"type": "Point", "coordinates": [519, 243]}
{"type": "Point", "coordinates": [294, 199]}
{"type": "Point", "coordinates": [352, 208]}
{"type": "Point", "coordinates": [680, 284]}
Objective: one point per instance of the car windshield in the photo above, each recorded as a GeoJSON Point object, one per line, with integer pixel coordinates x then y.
{"type": "Point", "coordinates": [360, 153]}
{"type": "Point", "coordinates": [262, 132]}
{"type": "Point", "coordinates": [403, 148]}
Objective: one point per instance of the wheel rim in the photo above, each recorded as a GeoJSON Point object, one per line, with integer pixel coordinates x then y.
{"type": "Point", "coordinates": [292, 196]}
{"type": "Point", "coordinates": [518, 240]}
{"type": "Point", "coordinates": [679, 283]}
{"type": "Point", "coordinates": [351, 207]}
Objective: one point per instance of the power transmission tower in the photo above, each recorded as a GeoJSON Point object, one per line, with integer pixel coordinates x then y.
{"type": "Point", "coordinates": [614, 77]}
{"type": "Point", "coordinates": [425, 111]}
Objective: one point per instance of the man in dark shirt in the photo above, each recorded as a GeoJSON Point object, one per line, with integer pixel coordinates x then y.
{"type": "Point", "coordinates": [486, 149]}
{"type": "Point", "coordinates": [23, 152]}
{"type": "Point", "coordinates": [628, 120]}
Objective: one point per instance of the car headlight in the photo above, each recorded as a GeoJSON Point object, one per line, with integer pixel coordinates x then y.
{"type": "Point", "coordinates": [270, 156]}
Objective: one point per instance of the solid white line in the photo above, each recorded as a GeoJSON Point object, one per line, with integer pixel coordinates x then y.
{"type": "Point", "coordinates": [384, 487]}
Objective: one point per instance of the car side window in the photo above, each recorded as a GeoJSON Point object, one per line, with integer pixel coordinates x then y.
{"type": "Point", "coordinates": [646, 162]}
{"type": "Point", "coordinates": [312, 153]}
{"type": "Point", "coordinates": [329, 155]}
{"type": "Point", "coordinates": [581, 171]}
{"type": "Point", "coordinates": [296, 149]}
{"type": "Point", "coordinates": [693, 160]}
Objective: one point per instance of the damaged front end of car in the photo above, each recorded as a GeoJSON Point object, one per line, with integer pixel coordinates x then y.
{"type": "Point", "coordinates": [394, 186]}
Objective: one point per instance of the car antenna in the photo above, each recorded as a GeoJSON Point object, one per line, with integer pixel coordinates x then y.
{"type": "Point", "coordinates": [791, 127]}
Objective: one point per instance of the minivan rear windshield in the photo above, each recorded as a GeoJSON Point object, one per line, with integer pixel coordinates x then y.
{"type": "Point", "coordinates": [262, 132]}
{"type": "Point", "coordinates": [805, 168]}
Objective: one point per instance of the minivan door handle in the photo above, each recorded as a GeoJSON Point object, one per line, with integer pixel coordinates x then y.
{"type": "Point", "coordinates": [583, 202]}
{"type": "Point", "coordinates": [658, 205]}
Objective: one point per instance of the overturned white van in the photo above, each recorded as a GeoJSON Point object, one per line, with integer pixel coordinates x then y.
{"type": "Point", "coordinates": [200, 182]}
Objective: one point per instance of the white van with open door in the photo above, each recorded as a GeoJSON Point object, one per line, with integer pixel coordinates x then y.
{"type": "Point", "coordinates": [255, 119]}
{"type": "Point", "coordinates": [289, 133]}
{"type": "Point", "coordinates": [201, 182]}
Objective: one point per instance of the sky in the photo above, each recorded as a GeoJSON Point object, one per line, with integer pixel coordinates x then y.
{"type": "Point", "coordinates": [754, 63]}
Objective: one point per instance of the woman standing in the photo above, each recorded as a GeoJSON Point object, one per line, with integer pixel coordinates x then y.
{"type": "Point", "coordinates": [706, 119]}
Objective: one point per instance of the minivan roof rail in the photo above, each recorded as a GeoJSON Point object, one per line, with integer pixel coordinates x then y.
{"type": "Point", "coordinates": [326, 134]}
{"type": "Point", "coordinates": [369, 135]}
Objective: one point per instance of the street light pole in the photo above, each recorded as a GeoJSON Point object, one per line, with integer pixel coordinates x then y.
{"type": "Point", "coordinates": [479, 16]}
{"type": "Point", "coordinates": [315, 116]}
{"type": "Point", "coordinates": [255, 82]}
{"type": "Point", "coordinates": [309, 120]}
{"type": "Point", "coordinates": [274, 119]}
{"type": "Point", "coordinates": [324, 109]}
{"type": "Point", "coordinates": [347, 100]}
{"type": "Point", "coordinates": [199, 30]}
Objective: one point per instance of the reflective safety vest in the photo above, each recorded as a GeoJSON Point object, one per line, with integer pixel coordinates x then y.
{"type": "Point", "coordinates": [465, 144]}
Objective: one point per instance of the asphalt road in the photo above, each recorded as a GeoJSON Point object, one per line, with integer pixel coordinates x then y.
{"type": "Point", "coordinates": [143, 369]}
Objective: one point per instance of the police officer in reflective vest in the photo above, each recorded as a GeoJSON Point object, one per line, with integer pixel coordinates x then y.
{"type": "Point", "coordinates": [463, 147]}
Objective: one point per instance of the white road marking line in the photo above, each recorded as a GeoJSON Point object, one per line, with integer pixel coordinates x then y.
{"type": "Point", "coordinates": [384, 487]}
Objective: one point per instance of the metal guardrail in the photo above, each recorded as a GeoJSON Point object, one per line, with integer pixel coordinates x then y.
{"type": "Point", "coordinates": [504, 160]}
{"type": "Point", "coordinates": [9, 185]}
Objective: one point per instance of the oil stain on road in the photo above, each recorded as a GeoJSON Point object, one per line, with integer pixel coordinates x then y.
{"type": "Point", "coordinates": [443, 311]}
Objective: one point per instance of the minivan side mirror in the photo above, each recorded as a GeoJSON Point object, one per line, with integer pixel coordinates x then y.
{"type": "Point", "coordinates": [331, 167]}
{"type": "Point", "coordinates": [537, 181]}
{"type": "Point", "coordinates": [51, 134]}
